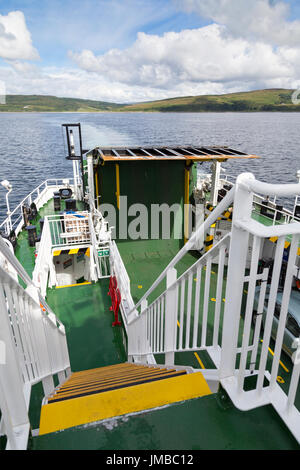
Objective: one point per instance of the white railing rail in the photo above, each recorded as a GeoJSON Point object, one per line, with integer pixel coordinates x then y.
{"type": "Point", "coordinates": [187, 316]}
{"type": "Point", "coordinates": [183, 319]}
{"type": "Point", "coordinates": [40, 195]}
{"type": "Point", "coordinates": [117, 269]}
{"type": "Point", "coordinates": [198, 234]}
{"type": "Point", "coordinates": [34, 348]}
{"type": "Point", "coordinates": [69, 229]}
{"type": "Point", "coordinates": [249, 234]}
{"type": "Point", "coordinates": [44, 268]}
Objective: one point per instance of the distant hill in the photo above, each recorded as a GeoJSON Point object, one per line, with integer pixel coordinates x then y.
{"type": "Point", "coordinates": [251, 101]}
{"type": "Point", "coordinates": [39, 103]}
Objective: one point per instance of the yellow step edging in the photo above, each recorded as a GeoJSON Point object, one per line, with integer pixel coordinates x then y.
{"type": "Point", "coordinates": [78, 411]}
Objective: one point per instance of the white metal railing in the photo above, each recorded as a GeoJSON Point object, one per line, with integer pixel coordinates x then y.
{"type": "Point", "coordinates": [236, 335]}
{"type": "Point", "coordinates": [187, 316]}
{"type": "Point", "coordinates": [35, 348]}
{"type": "Point", "coordinates": [182, 318]}
{"type": "Point", "coordinates": [40, 196]}
{"type": "Point", "coordinates": [278, 216]}
{"type": "Point", "coordinates": [69, 229]}
{"type": "Point", "coordinates": [44, 270]}
{"type": "Point", "coordinates": [117, 269]}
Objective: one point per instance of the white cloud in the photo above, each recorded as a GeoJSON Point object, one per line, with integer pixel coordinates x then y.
{"type": "Point", "coordinates": [15, 39]}
{"type": "Point", "coordinates": [237, 52]}
{"type": "Point", "coordinates": [261, 20]}
{"type": "Point", "coordinates": [189, 57]}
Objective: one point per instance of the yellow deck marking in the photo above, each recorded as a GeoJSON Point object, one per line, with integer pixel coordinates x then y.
{"type": "Point", "coordinates": [178, 324]}
{"type": "Point", "coordinates": [213, 300]}
{"type": "Point", "coordinates": [88, 252]}
{"type": "Point", "coordinates": [281, 363]}
{"type": "Point", "coordinates": [199, 360]}
{"type": "Point", "coordinates": [78, 411]}
{"type": "Point", "coordinates": [140, 287]}
{"type": "Point", "coordinates": [74, 251]}
{"type": "Point", "coordinates": [118, 184]}
{"type": "Point", "coordinates": [56, 253]}
{"type": "Point", "coordinates": [74, 285]}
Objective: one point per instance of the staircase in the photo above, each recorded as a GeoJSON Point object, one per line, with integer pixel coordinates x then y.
{"type": "Point", "coordinates": [117, 390]}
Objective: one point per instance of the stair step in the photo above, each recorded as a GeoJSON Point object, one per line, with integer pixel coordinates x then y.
{"type": "Point", "coordinates": [114, 386]}
{"type": "Point", "coordinates": [98, 405]}
{"type": "Point", "coordinates": [110, 376]}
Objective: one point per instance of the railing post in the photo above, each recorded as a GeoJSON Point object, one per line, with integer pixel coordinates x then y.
{"type": "Point", "coordinates": [170, 317]}
{"type": "Point", "coordinates": [243, 201]}
{"type": "Point", "coordinates": [12, 400]}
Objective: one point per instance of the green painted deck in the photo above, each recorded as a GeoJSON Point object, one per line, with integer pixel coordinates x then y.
{"type": "Point", "coordinates": [209, 423]}
{"type": "Point", "coordinates": [206, 423]}
{"type": "Point", "coordinates": [84, 311]}
{"type": "Point", "coordinates": [146, 259]}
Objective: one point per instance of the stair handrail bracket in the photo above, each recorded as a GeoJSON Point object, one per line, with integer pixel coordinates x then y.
{"type": "Point", "coordinates": [33, 348]}
{"type": "Point", "coordinates": [236, 334]}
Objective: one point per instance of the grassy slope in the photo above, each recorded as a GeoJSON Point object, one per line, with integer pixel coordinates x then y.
{"type": "Point", "coordinates": [30, 103]}
{"type": "Point", "coordinates": [260, 100]}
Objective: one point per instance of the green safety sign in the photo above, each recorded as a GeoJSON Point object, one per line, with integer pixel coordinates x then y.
{"type": "Point", "coordinates": [102, 253]}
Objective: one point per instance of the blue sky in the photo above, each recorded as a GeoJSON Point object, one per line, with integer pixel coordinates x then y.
{"type": "Point", "coordinates": [57, 26]}
{"type": "Point", "coordinates": [130, 50]}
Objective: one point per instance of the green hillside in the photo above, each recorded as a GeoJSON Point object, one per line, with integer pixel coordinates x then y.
{"type": "Point", "coordinates": [39, 103]}
{"type": "Point", "coordinates": [251, 101]}
{"type": "Point", "coordinates": [260, 100]}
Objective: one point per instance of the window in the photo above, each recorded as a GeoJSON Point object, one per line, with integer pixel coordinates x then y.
{"type": "Point", "coordinates": [293, 326]}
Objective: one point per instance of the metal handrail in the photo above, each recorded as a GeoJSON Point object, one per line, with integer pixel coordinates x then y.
{"type": "Point", "coordinates": [217, 212]}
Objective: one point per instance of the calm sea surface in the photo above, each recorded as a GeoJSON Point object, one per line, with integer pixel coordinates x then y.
{"type": "Point", "coordinates": [32, 149]}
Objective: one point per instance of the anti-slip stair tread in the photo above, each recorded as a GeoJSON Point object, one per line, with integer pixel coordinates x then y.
{"type": "Point", "coordinates": [113, 374]}
{"type": "Point", "coordinates": [106, 374]}
{"type": "Point", "coordinates": [72, 385]}
{"type": "Point", "coordinates": [125, 380]}
{"type": "Point", "coordinates": [115, 387]}
{"type": "Point", "coordinates": [61, 415]}
{"type": "Point", "coordinates": [125, 376]}
{"type": "Point", "coordinates": [105, 368]}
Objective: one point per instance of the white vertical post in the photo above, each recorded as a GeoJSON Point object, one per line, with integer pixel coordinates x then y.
{"type": "Point", "coordinates": [12, 397]}
{"type": "Point", "coordinates": [90, 167]}
{"type": "Point", "coordinates": [216, 171]}
{"type": "Point", "coordinates": [236, 272]}
{"type": "Point", "coordinates": [170, 317]}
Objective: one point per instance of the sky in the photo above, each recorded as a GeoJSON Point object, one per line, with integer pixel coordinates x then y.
{"type": "Point", "coordinates": [140, 50]}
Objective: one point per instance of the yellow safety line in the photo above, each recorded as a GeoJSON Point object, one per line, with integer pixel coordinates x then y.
{"type": "Point", "coordinates": [118, 184]}
{"type": "Point", "coordinates": [178, 324]}
{"type": "Point", "coordinates": [199, 360]}
{"type": "Point", "coordinates": [281, 363]}
{"type": "Point", "coordinates": [74, 285]}
{"type": "Point", "coordinates": [74, 251]}
{"type": "Point", "coordinates": [97, 186]}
